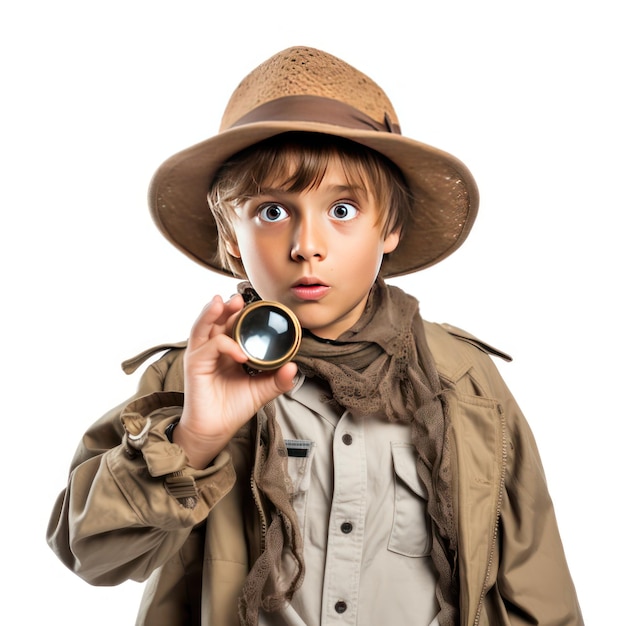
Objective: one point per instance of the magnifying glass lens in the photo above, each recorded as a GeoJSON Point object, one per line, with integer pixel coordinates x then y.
{"type": "Point", "coordinates": [269, 334]}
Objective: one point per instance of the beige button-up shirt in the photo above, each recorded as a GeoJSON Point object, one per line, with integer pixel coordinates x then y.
{"type": "Point", "coordinates": [362, 511]}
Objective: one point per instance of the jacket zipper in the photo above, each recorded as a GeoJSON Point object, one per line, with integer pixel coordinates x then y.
{"type": "Point", "coordinates": [259, 506]}
{"type": "Point", "coordinates": [496, 528]}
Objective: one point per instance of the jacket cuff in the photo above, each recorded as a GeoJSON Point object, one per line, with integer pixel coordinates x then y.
{"type": "Point", "coordinates": [145, 422]}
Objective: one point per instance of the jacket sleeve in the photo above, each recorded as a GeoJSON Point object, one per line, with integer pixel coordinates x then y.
{"type": "Point", "coordinates": [533, 577]}
{"type": "Point", "coordinates": [533, 583]}
{"type": "Point", "coordinates": [528, 580]}
{"type": "Point", "coordinates": [131, 500]}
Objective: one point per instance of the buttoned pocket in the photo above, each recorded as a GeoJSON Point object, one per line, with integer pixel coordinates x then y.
{"type": "Point", "coordinates": [299, 462]}
{"type": "Point", "coordinates": [410, 532]}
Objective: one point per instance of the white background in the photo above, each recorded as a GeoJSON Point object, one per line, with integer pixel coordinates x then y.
{"type": "Point", "coordinates": [530, 95]}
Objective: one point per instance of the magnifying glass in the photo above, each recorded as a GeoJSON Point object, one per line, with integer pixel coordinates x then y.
{"type": "Point", "coordinates": [269, 333]}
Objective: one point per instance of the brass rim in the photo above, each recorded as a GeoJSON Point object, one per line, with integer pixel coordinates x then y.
{"type": "Point", "coordinates": [263, 364]}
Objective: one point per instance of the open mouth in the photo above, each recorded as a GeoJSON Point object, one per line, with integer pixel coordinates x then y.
{"type": "Point", "coordinates": [310, 289]}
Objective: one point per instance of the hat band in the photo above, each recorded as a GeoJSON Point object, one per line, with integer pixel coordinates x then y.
{"type": "Point", "coordinates": [315, 109]}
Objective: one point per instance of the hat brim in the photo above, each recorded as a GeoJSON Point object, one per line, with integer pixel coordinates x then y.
{"type": "Point", "coordinates": [445, 193]}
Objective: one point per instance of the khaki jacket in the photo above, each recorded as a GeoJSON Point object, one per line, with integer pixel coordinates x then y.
{"type": "Point", "coordinates": [134, 510]}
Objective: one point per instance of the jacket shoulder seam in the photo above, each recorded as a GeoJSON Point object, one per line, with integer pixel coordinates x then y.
{"type": "Point", "coordinates": [470, 339]}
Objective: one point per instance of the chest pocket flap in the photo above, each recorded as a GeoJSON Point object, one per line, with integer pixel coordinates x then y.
{"type": "Point", "coordinates": [410, 533]}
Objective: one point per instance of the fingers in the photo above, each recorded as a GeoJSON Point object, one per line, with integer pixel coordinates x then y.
{"type": "Point", "coordinates": [209, 340]}
{"type": "Point", "coordinates": [215, 319]}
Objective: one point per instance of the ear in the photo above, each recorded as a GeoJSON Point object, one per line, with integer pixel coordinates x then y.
{"type": "Point", "coordinates": [233, 249]}
{"type": "Point", "coordinates": [391, 241]}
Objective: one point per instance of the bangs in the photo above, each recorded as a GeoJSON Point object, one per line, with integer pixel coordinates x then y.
{"type": "Point", "coordinates": [294, 163]}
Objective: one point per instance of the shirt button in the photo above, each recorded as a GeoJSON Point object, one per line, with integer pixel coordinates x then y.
{"type": "Point", "coordinates": [341, 606]}
{"type": "Point", "coordinates": [346, 528]}
{"type": "Point", "coordinates": [347, 439]}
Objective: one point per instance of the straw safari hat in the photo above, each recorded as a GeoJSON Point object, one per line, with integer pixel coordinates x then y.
{"type": "Point", "coordinates": [304, 89]}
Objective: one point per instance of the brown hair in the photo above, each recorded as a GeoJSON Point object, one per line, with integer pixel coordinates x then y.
{"type": "Point", "coordinates": [297, 161]}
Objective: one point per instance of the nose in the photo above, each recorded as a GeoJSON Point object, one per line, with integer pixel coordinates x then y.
{"type": "Point", "coordinates": [309, 241]}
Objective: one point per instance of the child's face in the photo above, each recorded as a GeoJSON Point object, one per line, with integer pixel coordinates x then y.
{"type": "Point", "coordinates": [318, 251]}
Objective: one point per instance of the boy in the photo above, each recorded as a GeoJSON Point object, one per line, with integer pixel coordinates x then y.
{"type": "Point", "coordinates": [384, 476]}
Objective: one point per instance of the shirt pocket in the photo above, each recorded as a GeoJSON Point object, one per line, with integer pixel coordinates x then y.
{"type": "Point", "coordinates": [299, 463]}
{"type": "Point", "coordinates": [410, 531]}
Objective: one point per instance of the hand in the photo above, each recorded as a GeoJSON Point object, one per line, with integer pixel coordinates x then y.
{"type": "Point", "coordinates": [220, 397]}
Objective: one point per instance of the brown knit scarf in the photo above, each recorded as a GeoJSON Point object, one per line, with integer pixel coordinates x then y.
{"type": "Point", "coordinates": [382, 366]}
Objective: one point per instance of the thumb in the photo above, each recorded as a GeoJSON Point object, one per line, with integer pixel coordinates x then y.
{"type": "Point", "coordinates": [271, 385]}
{"type": "Point", "coordinates": [284, 377]}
